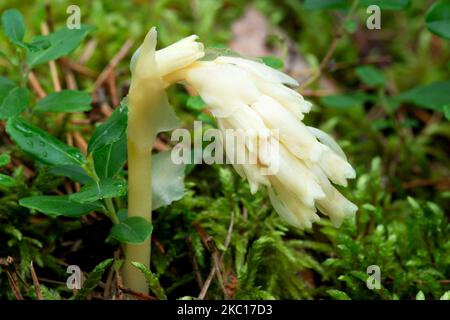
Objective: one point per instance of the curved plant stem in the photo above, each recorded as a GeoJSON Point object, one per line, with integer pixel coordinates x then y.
{"type": "Point", "coordinates": [149, 113]}
{"type": "Point", "coordinates": [111, 211]}
{"type": "Point", "coordinates": [139, 204]}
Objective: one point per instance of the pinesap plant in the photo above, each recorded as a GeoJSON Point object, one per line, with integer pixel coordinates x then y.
{"type": "Point", "coordinates": [227, 85]}
{"type": "Point", "coordinates": [260, 100]}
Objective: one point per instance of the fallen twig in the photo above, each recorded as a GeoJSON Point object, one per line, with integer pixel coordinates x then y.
{"type": "Point", "coordinates": [111, 81]}
{"type": "Point", "coordinates": [139, 295]}
{"type": "Point", "coordinates": [205, 288]}
{"type": "Point", "coordinates": [217, 261]}
{"type": "Point", "coordinates": [158, 245]}
{"type": "Point", "coordinates": [109, 284]}
{"type": "Point", "coordinates": [80, 69]}
{"type": "Point", "coordinates": [34, 82]}
{"type": "Point", "coordinates": [113, 63]}
{"type": "Point", "coordinates": [59, 283]}
{"type": "Point", "coordinates": [14, 286]}
{"type": "Point", "coordinates": [89, 50]}
{"type": "Point", "coordinates": [71, 81]}
{"type": "Point", "coordinates": [106, 110]}
{"type": "Point", "coordinates": [37, 286]}
{"type": "Point", "coordinates": [80, 142]}
{"type": "Point", "coordinates": [443, 183]}
{"type": "Point", "coordinates": [52, 64]}
{"type": "Point", "coordinates": [49, 16]}
{"type": "Point", "coordinates": [197, 273]}
{"type": "Point", "coordinates": [119, 285]}
{"type": "Point", "coordinates": [331, 49]}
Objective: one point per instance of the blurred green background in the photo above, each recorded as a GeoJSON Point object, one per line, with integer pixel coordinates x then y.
{"type": "Point", "coordinates": [384, 96]}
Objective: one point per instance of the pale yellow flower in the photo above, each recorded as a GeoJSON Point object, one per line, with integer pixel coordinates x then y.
{"type": "Point", "coordinates": [248, 95]}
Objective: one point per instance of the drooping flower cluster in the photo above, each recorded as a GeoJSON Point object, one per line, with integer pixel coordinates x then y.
{"type": "Point", "coordinates": [247, 95]}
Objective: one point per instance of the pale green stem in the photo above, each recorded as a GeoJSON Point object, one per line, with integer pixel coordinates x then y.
{"type": "Point", "coordinates": [112, 211]}
{"type": "Point", "coordinates": [148, 109]}
{"type": "Point", "coordinates": [139, 205]}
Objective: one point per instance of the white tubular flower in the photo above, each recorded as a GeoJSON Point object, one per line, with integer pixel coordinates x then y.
{"type": "Point", "coordinates": [174, 57]}
{"type": "Point", "coordinates": [179, 55]}
{"type": "Point", "coordinates": [290, 128]}
{"type": "Point", "coordinates": [225, 88]}
{"type": "Point", "coordinates": [248, 95]}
